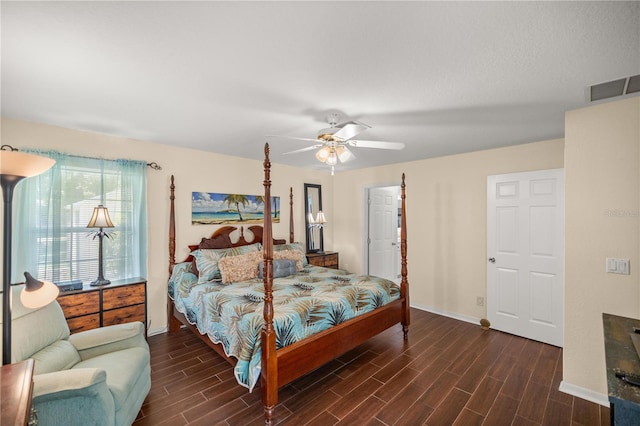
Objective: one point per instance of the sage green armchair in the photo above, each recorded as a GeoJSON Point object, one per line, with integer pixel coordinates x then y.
{"type": "Point", "coordinates": [95, 377]}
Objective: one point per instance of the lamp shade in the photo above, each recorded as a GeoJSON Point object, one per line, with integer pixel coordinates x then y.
{"type": "Point", "coordinates": [37, 294]}
{"type": "Point", "coordinates": [344, 154]}
{"type": "Point", "coordinates": [322, 154]}
{"type": "Point", "coordinates": [321, 219]}
{"type": "Point", "coordinates": [100, 218]}
{"type": "Point", "coordinates": [332, 159]}
{"type": "Point", "coordinates": [310, 219]}
{"type": "Point", "coordinates": [20, 164]}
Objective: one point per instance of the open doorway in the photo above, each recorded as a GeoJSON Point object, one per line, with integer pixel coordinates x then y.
{"type": "Point", "coordinates": [382, 245]}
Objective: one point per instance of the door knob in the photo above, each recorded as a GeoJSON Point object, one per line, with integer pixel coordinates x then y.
{"type": "Point", "coordinates": [492, 259]}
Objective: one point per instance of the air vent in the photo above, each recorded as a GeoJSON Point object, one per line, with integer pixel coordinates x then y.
{"type": "Point", "coordinates": [634, 84]}
{"type": "Point", "coordinates": [611, 89]}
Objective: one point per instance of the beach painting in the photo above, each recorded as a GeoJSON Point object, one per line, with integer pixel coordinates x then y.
{"type": "Point", "coordinates": [212, 208]}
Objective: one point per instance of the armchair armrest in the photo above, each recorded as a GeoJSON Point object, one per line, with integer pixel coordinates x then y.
{"type": "Point", "coordinates": [80, 381]}
{"type": "Point", "coordinates": [108, 339]}
{"type": "Point", "coordinates": [83, 392]}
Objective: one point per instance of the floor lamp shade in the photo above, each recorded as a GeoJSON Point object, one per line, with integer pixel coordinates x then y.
{"type": "Point", "coordinates": [37, 294]}
{"type": "Point", "coordinates": [14, 166]}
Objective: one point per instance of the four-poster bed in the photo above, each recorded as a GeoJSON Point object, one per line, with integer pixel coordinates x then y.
{"type": "Point", "coordinates": [378, 304]}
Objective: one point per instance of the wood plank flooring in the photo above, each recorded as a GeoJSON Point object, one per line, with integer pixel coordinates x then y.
{"type": "Point", "coordinates": [449, 372]}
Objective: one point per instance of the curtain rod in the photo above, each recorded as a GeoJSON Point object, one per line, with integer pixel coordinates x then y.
{"type": "Point", "coordinates": [153, 164]}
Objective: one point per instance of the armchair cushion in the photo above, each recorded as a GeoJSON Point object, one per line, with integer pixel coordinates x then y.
{"type": "Point", "coordinates": [58, 356]}
{"type": "Point", "coordinates": [120, 380]}
{"type": "Point", "coordinates": [34, 329]}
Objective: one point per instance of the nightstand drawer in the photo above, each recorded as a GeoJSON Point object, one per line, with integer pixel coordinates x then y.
{"type": "Point", "coordinates": [328, 259]}
{"type": "Point", "coordinates": [86, 322]}
{"type": "Point", "coordinates": [121, 301]}
{"type": "Point", "coordinates": [123, 296]}
{"type": "Point", "coordinates": [316, 260]}
{"type": "Point", "coordinates": [122, 315]}
{"type": "Point", "coordinates": [331, 261]}
{"type": "Point", "coordinates": [74, 305]}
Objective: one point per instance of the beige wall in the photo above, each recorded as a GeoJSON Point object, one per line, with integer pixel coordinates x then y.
{"type": "Point", "coordinates": [602, 170]}
{"type": "Point", "coordinates": [194, 171]}
{"type": "Point", "coordinates": [447, 218]}
{"type": "Point", "coordinates": [446, 201]}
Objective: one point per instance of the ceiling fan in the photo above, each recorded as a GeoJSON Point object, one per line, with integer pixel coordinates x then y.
{"type": "Point", "coordinates": [333, 142]}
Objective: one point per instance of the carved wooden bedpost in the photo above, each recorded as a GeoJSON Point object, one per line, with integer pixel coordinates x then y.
{"type": "Point", "coordinates": [172, 322]}
{"type": "Point", "coordinates": [172, 229]}
{"type": "Point", "coordinates": [291, 214]}
{"type": "Point", "coordinates": [269, 361]}
{"type": "Point", "coordinates": [404, 284]}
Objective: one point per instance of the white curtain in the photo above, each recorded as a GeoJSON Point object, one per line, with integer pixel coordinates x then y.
{"type": "Point", "coordinates": [52, 210]}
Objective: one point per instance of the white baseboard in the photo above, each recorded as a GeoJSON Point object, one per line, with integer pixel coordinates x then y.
{"type": "Point", "coordinates": [157, 331]}
{"type": "Point", "coordinates": [584, 393]}
{"type": "Point", "coordinates": [453, 315]}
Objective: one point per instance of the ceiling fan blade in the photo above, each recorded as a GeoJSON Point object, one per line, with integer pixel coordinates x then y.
{"type": "Point", "coordinates": [309, 148]}
{"type": "Point", "coordinates": [376, 144]}
{"type": "Point", "coordinates": [292, 137]}
{"type": "Point", "coordinates": [350, 129]}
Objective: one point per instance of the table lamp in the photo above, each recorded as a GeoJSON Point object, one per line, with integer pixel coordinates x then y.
{"type": "Point", "coordinates": [100, 219]}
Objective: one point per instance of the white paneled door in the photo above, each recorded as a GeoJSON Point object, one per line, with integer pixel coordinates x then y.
{"type": "Point", "coordinates": [383, 232]}
{"type": "Point", "coordinates": [525, 254]}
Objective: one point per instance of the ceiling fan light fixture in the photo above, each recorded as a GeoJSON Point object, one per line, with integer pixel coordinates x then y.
{"type": "Point", "coordinates": [332, 159]}
{"type": "Point", "coordinates": [323, 154]}
{"type": "Point", "coordinates": [344, 154]}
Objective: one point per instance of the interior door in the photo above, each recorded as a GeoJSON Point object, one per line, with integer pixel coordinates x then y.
{"type": "Point", "coordinates": [383, 232]}
{"type": "Point", "coordinates": [525, 247]}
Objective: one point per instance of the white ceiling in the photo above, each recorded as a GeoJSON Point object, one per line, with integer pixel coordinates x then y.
{"type": "Point", "coordinates": [442, 77]}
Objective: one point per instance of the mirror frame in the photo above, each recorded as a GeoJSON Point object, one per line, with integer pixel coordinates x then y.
{"type": "Point", "coordinates": [307, 187]}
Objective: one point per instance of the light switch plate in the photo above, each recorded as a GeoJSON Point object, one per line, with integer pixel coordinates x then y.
{"type": "Point", "coordinates": [617, 266]}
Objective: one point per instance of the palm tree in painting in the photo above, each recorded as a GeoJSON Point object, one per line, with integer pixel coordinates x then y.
{"type": "Point", "coordinates": [274, 207]}
{"type": "Point", "coordinates": [260, 200]}
{"type": "Point", "coordinates": [237, 199]}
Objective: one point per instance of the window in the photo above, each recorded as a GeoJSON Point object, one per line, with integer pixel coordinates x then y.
{"type": "Point", "coordinates": [51, 238]}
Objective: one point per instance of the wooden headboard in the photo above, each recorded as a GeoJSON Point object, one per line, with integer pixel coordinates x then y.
{"type": "Point", "coordinates": [222, 236]}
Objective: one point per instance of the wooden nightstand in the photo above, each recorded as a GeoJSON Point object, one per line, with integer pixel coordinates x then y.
{"type": "Point", "coordinates": [328, 259]}
{"type": "Point", "coordinates": [92, 307]}
{"type": "Point", "coordinates": [16, 386]}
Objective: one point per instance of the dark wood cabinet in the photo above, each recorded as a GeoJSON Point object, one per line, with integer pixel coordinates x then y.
{"type": "Point", "coordinates": [328, 259]}
{"type": "Point", "coordinates": [92, 307]}
{"type": "Point", "coordinates": [16, 387]}
{"type": "Point", "coordinates": [622, 357]}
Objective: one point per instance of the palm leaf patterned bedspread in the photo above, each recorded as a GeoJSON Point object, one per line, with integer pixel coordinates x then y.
{"type": "Point", "coordinates": [313, 300]}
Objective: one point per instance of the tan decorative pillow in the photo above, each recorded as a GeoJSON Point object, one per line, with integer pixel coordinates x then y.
{"type": "Point", "coordinates": [290, 254]}
{"type": "Point", "coordinates": [239, 268]}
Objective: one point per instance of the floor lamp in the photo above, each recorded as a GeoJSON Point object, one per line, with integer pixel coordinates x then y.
{"type": "Point", "coordinates": [14, 166]}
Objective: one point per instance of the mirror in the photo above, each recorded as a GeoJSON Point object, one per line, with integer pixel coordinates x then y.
{"type": "Point", "coordinates": [313, 205]}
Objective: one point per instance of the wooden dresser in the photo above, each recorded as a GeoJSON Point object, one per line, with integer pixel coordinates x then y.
{"type": "Point", "coordinates": [328, 259]}
{"type": "Point", "coordinates": [621, 356]}
{"type": "Point", "coordinates": [92, 307]}
{"type": "Point", "coordinates": [16, 386]}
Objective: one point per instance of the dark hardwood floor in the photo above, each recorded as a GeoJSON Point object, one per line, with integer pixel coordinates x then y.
{"type": "Point", "coordinates": [449, 372]}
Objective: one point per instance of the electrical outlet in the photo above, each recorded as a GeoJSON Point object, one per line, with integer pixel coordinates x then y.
{"type": "Point", "coordinates": [480, 301]}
